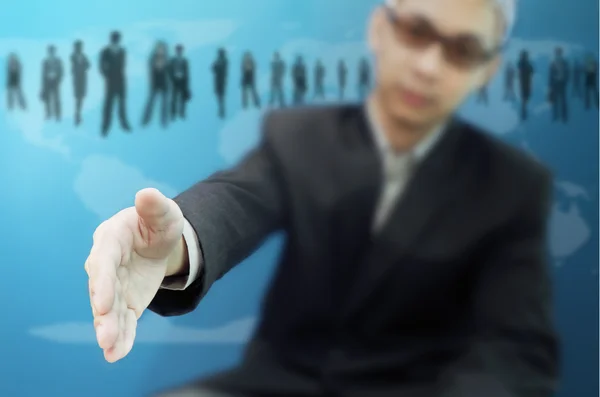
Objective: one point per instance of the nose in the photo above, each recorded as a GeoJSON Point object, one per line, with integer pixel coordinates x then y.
{"type": "Point", "coordinates": [429, 62]}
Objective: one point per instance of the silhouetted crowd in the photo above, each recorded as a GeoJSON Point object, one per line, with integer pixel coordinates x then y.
{"type": "Point", "coordinates": [170, 82]}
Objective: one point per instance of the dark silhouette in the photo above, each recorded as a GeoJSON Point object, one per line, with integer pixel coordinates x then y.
{"type": "Point", "coordinates": [558, 79]}
{"type": "Point", "coordinates": [158, 73]}
{"type": "Point", "coordinates": [364, 78]}
{"type": "Point", "coordinates": [52, 75]}
{"type": "Point", "coordinates": [509, 83]}
{"type": "Point", "coordinates": [526, 72]}
{"type": "Point", "coordinates": [299, 80]}
{"type": "Point", "coordinates": [220, 68]}
{"type": "Point", "coordinates": [249, 81]}
{"type": "Point", "coordinates": [277, 80]}
{"type": "Point", "coordinates": [342, 73]}
{"type": "Point", "coordinates": [482, 95]}
{"type": "Point", "coordinates": [14, 81]}
{"type": "Point", "coordinates": [577, 79]}
{"type": "Point", "coordinates": [112, 68]}
{"type": "Point", "coordinates": [79, 70]}
{"type": "Point", "coordinates": [591, 81]}
{"type": "Point", "coordinates": [319, 76]}
{"type": "Point", "coordinates": [180, 79]}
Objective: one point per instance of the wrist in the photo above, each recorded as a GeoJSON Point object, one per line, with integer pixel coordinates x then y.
{"type": "Point", "coordinates": [178, 261]}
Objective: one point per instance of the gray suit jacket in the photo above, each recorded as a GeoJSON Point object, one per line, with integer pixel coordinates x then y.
{"type": "Point", "coordinates": [451, 298]}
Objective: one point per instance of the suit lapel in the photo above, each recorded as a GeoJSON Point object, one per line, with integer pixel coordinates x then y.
{"type": "Point", "coordinates": [431, 190]}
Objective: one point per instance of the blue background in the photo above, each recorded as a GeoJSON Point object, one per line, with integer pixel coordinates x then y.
{"type": "Point", "coordinates": [59, 182]}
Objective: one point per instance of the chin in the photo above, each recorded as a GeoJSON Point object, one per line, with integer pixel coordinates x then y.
{"type": "Point", "coordinates": [410, 117]}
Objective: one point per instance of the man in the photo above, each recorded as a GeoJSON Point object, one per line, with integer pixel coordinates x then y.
{"type": "Point", "coordinates": [342, 74]}
{"type": "Point", "coordinates": [14, 83]}
{"type": "Point", "coordinates": [526, 72]}
{"type": "Point", "coordinates": [180, 78]}
{"type": "Point", "coordinates": [509, 83]}
{"type": "Point", "coordinates": [591, 81]}
{"type": "Point", "coordinates": [52, 74]}
{"type": "Point", "coordinates": [319, 80]}
{"type": "Point", "coordinates": [414, 261]}
{"type": "Point", "coordinates": [158, 76]}
{"type": "Point", "coordinates": [364, 78]}
{"type": "Point", "coordinates": [248, 83]}
{"type": "Point", "coordinates": [299, 80]}
{"type": "Point", "coordinates": [112, 69]}
{"type": "Point", "coordinates": [558, 79]}
{"type": "Point", "coordinates": [277, 75]}
{"type": "Point", "coordinates": [220, 69]}
{"type": "Point", "coordinates": [577, 73]}
{"type": "Point", "coordinates": [79, 69]}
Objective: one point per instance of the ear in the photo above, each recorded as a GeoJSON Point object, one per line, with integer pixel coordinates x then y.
{"type": "Point", "coordinates": [374, 33]}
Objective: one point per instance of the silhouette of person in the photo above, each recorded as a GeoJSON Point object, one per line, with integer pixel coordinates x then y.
{"type": "Point", "coordinates": [52, 74]}
{"type": "Point", "coordinates": [277, 76]}
{"type": "Point", "coordinates": [558, 79]}
{"type": "Point", "coordinates": [526, 72]}
{"type": "Point", "coordinates": [509, 82]}
{"type": "Point", "coordinates": [180, 78]}
{"type": "Point", "coordinates": [112, 68]}
{"type": "Point", "coordinates": [319, 76]}
{"type": "Point", "coordinates": [79, 69]}
{"type": "Point", "coordinates": [220, 68]}
{"type": "Point", "coordinates": [299, 80]}
{"type": "Point", "coordinates": [364, 78]}
{"type": "Point", "coordinates": [482, 95]}
{"type": "Point", "coordinates": [342, 72]}
{"type": "Point", "coordinates": [577, 79]}
{"type": "Point", "coordinates": [14, 81]}
{"type": "Point", "coordinates": [591, 81]}
{"type": "Point", "coordinates": [249, 81]}
{"type": "Point", "coordinates": [158, 70]}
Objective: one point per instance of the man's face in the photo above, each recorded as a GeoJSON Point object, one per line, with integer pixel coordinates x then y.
{"type": "Point", "coordinates": [425, 52]}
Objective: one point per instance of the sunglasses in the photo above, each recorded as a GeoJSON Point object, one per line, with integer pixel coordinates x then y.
{"type": "Point", "coordinates": [465, 52]}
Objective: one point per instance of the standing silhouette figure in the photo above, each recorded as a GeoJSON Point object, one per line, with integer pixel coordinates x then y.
{"type": "Point", "coordinates": [299, 80]}
{"type": "Point", "coordinates": [249, 81]}
{"type": "Point", "coordinates": [364, 78]}
{"type": "Point", "coordinates": [180, 78]}
{"type": "Point", "coordinates": [52, 75]}
{"type": "Point", "coordinates": [112, 68]}
{"type": "Point", "coordinates": [591, 82]}
{"type": "Point", "coordinates": [482, 95]}
{"type": "Point", "coordinates": [319, 76]}
{"type": "Point", "coordinates": [558, 79]}
{"type": "Point", "coordinates": [14, 83]}
{"type": "Point", "coordinates": [509, 83]}
{"type": "Point", "coordinates": [220, 68]}
{"type": "Point", "coordinates": [277, 81]}
{"type": "Point", "coordinates": [577, 79]}
{"type": "Point", "coordinates": [342, 74]}
{"type": "Point", "coordinates": [79, 70]}
{"type": "Point", "coordinates": [526, 73]}
{"type": "Point", "coordinates": [158, 71]}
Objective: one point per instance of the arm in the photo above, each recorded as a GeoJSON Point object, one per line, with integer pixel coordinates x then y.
{"type": "Point", "coordinates": [514, 352]}
{"type": "Point", "coordinates": [231, 212]}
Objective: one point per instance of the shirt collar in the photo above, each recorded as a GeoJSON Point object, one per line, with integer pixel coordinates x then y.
{"type": "Point", "coordinates": [418, 153]}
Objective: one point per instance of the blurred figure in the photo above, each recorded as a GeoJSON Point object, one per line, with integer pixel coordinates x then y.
{"type": "Point", "coordinates": [577, 79]}
{"type": "Point", "coordinates": [180, 79]}
{"type": "Point", "coordinates": [364, 78]}
{"type": "Point", "coordinates": [558, 78]}
{"type": "Point", "coordinates": [319, 76]}
{"type": "Point", "coordinates": [415, 258]}
{"type": "Point", "coordinates": [526, 72]}
{"type": "Point", "coordinates": [249, 81]}
{"type": "Point", "coordinates": [158, 70]}
{"type": "Point", "coordinates": [79, 70]}
{"type": "Point", "coordinates": [482, 95]}
{"type": "Point", "coordinates": [509, 82]}
{"type": "Point", "coordinates": [342, 75]}
{"type": "Point", "coordinates": [220, 68]}
{"type": "Point", "coordinates": [277, 78]}
{"type": "Point", "coordinates": [299, 80]}
{"type": "Point", "coordinates": [591, 82]}
{"type": "Point", "coordinates": [14, 83]}
{"type": "Point", "coordinates": [52, 74]}
{"type": "Point", "coordinates": [112, 68]}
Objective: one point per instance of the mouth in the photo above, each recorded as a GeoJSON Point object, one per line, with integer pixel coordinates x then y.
{"type": "Point", "coordinates": [414, 98]}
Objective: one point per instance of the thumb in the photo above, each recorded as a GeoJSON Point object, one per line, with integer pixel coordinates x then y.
{"type": "Point", "coordinates": [156, 211]}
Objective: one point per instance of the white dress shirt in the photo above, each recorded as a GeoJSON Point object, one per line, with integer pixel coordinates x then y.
{"type": "Point", "coordinates": [397, 170]}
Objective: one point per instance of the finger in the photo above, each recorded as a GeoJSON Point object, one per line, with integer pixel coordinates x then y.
{"type": "Point", "coordinates": [107, 330]}
{"type": "Point", "coordinates": [126, 338]}
{"type": "Point", "coordinates": [102, 266]}
{"type": "Point", "coordinates": [156, 210]}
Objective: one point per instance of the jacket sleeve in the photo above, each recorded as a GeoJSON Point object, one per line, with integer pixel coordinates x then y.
{"type": "Point", "coordinates": [232, 213]}
{"type": "Point", "coordinates": [514, 349]}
